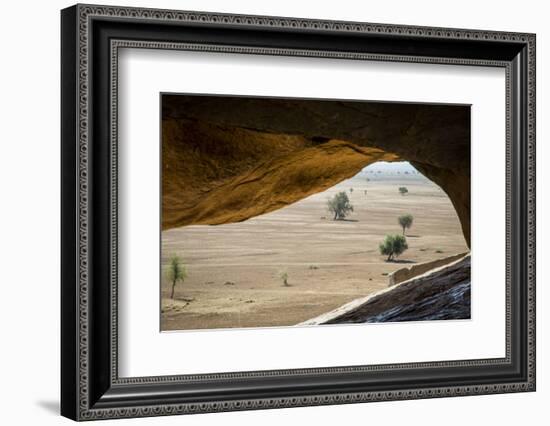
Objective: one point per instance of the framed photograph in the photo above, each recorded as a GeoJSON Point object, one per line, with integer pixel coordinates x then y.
{"type": "Point", "coordinates": [263, 212]}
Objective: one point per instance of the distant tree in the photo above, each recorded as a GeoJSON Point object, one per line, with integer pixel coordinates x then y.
{"type": "Point", "coordinates": [351, 190]}
{"type": "Point", "coordinates": [176, 272]}
{"type": "Point", "coordinates": [405, 221]}
{"type": "Point", "coordinates": [339, 205]}
{"type": "Point", "coordinates": [403, 190]}
{"type": "Point", "coordinates": [393, 246]}
{"type": "Point", "coordinates": [284, 277]}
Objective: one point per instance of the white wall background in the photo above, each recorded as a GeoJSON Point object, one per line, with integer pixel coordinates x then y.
{"type": "Point", "coordinates": [29, 217]}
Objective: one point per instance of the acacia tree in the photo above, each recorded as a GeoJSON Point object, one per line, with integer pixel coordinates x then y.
{"type": "Point", "coordinates": [405, 221]}
{"type": "Point", "coordinates": [339, 205]}
{"type": "Point", "coordinates": [176, 272]}
{"type": "Point", "coordinates": [393, 246]}
{"type": "Point", "coordinates": [403, 190]}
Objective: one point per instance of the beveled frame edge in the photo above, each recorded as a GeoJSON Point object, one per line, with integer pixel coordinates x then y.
{"type": "Point", "coordinates": [75, 199]}
{"type": "Point", "coordinates": [115, 46]}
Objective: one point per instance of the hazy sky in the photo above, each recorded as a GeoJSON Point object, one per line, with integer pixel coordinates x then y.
{"type": "Point", "coordinates": [384, 166]}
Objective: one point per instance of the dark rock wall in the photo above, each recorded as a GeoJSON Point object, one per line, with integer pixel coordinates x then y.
{"type": "Point", "coordinates": [440, 294]}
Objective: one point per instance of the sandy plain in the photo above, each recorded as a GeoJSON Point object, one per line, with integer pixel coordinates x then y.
{"type": "Point", "coordinates": [234, 269]}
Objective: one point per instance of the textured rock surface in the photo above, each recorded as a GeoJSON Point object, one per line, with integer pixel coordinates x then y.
{"type": "Point", "coordinates": [408, 272]}
{"type": "Point", "coordinates": [226, 159]}
{"type": "Point", "coordinates": [440, 294]}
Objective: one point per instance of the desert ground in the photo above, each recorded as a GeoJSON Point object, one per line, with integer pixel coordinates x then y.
{"type": "Point", "coordinates": [234, 269]}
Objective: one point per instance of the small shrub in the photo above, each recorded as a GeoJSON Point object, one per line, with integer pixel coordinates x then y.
{"type": "Point", "coordinates": [405, 221]}
{"type": "Point", "coordinates": [403, 190]}
{"type": "Point", "coordinates": [176, 272]}
{"type": "Point", "coordinates": [339, 205]}
{"type": "Point", "coordinates": [284, 277]}
{"type": "Point", "coordinates": [393, 246]}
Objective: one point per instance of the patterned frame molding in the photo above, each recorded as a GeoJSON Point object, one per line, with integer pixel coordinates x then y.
{"type": "Point", "coordinates": [92, 389]}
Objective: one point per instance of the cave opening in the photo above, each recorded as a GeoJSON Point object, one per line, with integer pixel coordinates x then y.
{"type": "Point", "coordinates": [246, 185]}
{"type": "Point", "coordinates": [226, 159]}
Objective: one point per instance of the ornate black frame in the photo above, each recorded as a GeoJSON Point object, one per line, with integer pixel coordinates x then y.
{"type": "Point", "coordinates": [91, 37]}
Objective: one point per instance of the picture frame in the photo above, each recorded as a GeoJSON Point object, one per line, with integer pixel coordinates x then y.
{"type": "Point", "coordinates": [90, 385]}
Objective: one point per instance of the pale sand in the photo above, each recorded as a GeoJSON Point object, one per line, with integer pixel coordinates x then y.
{"type": "Point", "coordinates": [234, 269]}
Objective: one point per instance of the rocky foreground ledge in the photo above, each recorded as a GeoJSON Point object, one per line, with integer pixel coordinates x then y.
{"type": "Point", "coordinates": [439, 294]}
